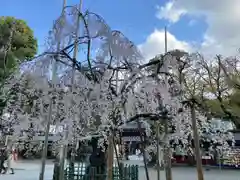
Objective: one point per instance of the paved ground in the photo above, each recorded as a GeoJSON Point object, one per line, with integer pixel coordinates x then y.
{"type": "Point", "coordinates": [30, 171]}
{"type": "Point", "coordinates": [190, 174]}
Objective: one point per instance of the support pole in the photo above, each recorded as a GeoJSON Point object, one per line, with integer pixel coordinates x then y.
{"type": "Point", "coordinates": [167, 150]}
{"type": "Point", "coordinates": [64, 147]}
{"type": "Point", "coordinates": [158, 152]}
{"type": "Point", "coordinates": [165, 39]}
{"type": "Point", "coordinates": [49, 118]}
{"type": "Point", "coordinates": [110, 150]}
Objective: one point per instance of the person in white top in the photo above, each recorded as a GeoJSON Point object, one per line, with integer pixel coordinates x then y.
{"type": "Point", "coordinates": [10, 161]}
{"type": "Point", "coordinates": [137, 152]}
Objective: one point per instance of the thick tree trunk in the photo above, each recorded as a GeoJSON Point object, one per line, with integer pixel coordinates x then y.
{"type": "Point", "coordinates": [110, 158]}
{"type": "Point", "coordinates": [196, 143]}
{"type": "Point", "coordinates": [167, 155]}
{"type": "Point", "coordinates": [97, 160]}
{"type": "Point", "coordinates": [143, 150]}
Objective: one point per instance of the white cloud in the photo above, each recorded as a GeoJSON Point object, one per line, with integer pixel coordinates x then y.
{"type": "Point", "coordinates": [222, 17]}
{"type": "Point", "coordinates": [192, 22]}
{"type": "Point", "coordinates": [169, 12]}
{"type": "Point", "coordinates": [155, 44]}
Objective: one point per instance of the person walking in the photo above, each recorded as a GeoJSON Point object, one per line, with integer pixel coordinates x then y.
{"type": "Point", "coordinates": [10, 161]}
{"type": "Point", "coordinates": [2, 160]}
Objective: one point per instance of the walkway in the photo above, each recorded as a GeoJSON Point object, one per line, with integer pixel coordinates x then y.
{"type": "Point", "coordinates": [29, 170]}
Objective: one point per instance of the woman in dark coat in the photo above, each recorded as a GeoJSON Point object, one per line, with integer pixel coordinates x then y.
{"type": "Point", "coordinates": [3, 157]}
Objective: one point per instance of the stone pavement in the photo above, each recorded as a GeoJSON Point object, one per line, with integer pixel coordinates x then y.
{"type": "Point", "coordinates": [29, 170]}
{"type": "Point", "coordinates": [187, 173]}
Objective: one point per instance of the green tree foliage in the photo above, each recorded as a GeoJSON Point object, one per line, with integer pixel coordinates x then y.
{"type": "Point", "coordinates": [231, 104]}
{"type": "Point", "coordinates": [7, 66]}
{"type": "Point", "coordinates": [216, 94]}
{"type": "Point", "coordinates": [23, 43]}
{"type": "Point", "coordinates": [17, 44]}
{"type": "Point", "coordinates": [225, 94]}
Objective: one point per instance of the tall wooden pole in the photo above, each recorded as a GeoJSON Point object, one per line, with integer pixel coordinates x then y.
{"type": "Point", "coordinates": [196, 143]}
{"type": "Point", "coordinates": [64, 147]}
{"type": "Point", "coordinates": [77, 33]}
{"type": "Point", "coordinates": [165, 40]}
{"type": "Point", "coordinates": [110, 150]}
{"type": "Point", "coordinates": [167, 154]}
{"type": "Point", "coordinates": [49, 118]}
{"type": "Point", "coordinates": [158, 151]}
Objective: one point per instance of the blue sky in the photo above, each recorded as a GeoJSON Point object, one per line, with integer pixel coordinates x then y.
{"type": "Point", "coordinates": [135, 18]}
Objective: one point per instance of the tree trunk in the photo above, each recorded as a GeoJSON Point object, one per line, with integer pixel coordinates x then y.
{"type": "Point", "coordinates": [110, 158]}
{"type": "Point", "coordinates": [167, 154]}
{"type": "Point", "coordinates": [143, 150]}
{"type": "Point", "coordinates": [196, 143]}
{"type": "Point", "coordinates": [97, 161]}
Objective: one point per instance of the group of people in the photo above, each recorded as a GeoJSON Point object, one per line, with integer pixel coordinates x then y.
{"type": "Point", "coordinates": [6, 161]}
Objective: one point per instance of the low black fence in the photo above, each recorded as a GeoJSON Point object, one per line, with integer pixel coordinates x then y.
{"type": "Point", "coordinates": [81, 171]}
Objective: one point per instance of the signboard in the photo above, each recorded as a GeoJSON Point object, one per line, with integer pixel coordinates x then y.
{"type": "Point", "coordinates": [131, 138]}
{"type": "Point", "coordinates": [132, 134]}
{"type": "Point", "coordinates": [55, 129]}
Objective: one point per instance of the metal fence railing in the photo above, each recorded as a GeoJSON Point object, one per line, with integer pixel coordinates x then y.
{"type": "Point", "coordinates": [81, 171]}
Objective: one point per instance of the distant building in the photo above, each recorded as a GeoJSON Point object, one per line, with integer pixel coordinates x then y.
{"type": "Point", "coordinates": [130, 131]}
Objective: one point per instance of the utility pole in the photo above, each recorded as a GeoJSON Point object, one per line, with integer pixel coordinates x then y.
{"type": "Point", "coordinates": [63, 152]}
{"type": "Point", "coordinates": [49, 118]}
{"type": "Point", "coordinates": [167, 154]}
